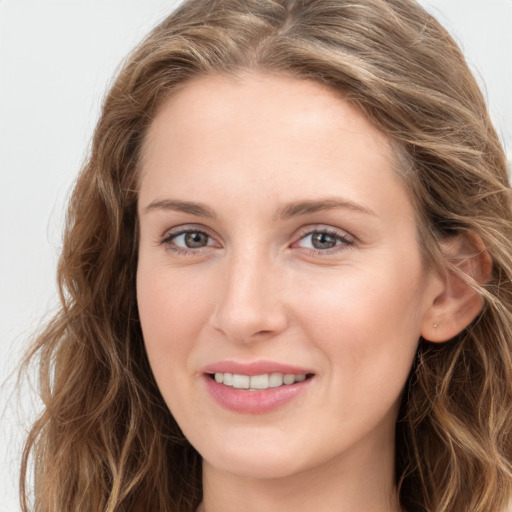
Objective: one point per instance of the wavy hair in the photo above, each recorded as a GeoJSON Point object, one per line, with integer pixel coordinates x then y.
{"type": "Point", "coordinates": [105, 439]}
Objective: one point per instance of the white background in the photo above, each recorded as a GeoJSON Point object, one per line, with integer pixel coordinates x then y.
{"type": "Point", "coordinates": [56, 61]}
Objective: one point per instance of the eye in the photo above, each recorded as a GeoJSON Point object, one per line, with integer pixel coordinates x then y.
{"type": "Point", "coordinates": [188, 240]}
{"type": "Point", "coordinates": [191, 239]}
{"type": "Point", "coordinates": [324, 240]}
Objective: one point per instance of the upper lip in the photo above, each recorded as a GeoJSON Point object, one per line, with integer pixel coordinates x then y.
{"type": "Point", "coordinates": [254, 368]}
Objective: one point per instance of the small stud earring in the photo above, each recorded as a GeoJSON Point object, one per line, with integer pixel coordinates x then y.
{"type": "Point", "coordinates": [436, 325]}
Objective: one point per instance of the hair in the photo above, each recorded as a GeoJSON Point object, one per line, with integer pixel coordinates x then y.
{"type": "Point", "coordinates": [105, 439]}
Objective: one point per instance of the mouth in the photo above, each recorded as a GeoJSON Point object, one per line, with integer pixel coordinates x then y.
{"type": "Point", "coordinates": [256, 387]}
{"type": "Point", "coordinates": [258, 382]}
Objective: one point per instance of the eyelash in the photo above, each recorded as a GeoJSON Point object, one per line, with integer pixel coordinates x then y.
{"type": "Point", "coordinates": [343, 241]}
{"type": "Point", "coordinates": [169, 237]}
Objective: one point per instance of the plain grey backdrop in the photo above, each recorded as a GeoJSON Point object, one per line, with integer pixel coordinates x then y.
{"type": "Point", "coordinates": [56, 61]}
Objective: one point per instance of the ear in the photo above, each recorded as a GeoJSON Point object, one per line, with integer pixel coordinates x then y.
{"type": "Point", "coordinates": [458, 304]}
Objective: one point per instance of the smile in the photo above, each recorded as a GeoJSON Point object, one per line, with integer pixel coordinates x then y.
{"type": "Point", "coordinates": [258, 382]}
{"type": "Point", "coordinates": [257, 393]}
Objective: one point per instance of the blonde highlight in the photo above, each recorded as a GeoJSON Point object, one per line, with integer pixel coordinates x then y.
{"type": "Point", "coordinates": [106, 440]}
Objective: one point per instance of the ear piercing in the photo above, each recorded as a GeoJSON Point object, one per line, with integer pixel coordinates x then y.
{"type": "Point", "coordinates": [435, 325]}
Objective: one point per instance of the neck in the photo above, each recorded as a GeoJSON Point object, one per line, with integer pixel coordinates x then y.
{"type": "Point", "coordinates": [361, 481]}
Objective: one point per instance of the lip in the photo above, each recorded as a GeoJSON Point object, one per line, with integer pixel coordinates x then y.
{"type": "Point", "coordinates": [253, 368]}
{"type": "Point", "coordinates": [253, 402]}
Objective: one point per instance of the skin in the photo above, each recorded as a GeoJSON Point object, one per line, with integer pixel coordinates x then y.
{"type": "Point", "coordinates": [259, 290]}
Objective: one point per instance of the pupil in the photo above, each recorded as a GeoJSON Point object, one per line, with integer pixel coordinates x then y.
{"type": "Point", "coordinates": [193, 240]}
{"type": "Point", "coordinates": [323, 241]}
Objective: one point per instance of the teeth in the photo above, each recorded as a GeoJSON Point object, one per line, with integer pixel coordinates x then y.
{"type": "Point", "coordinates": [275, 380]}
{"type": "Point", "coordinates": [288, 379]}
{"type": "Point", "coordinates": [256, 382]}
{"type": "Point", "coordinates": [241, 381]}
{"type": "Point", "coordinates": [259, 382]}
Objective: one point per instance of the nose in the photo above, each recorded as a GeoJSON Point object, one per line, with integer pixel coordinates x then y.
{"type": "Point", "coordinates": [250, 306]}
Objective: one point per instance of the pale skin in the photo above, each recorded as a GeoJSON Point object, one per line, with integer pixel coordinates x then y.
{"type": "Point", "coordinates": [274, 227]}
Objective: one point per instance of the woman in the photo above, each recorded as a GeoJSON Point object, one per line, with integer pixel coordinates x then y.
{"type": "Point", "coordinates": [285, 276]}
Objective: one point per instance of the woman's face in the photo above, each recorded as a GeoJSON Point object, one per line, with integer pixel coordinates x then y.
{"type": "Point", "coordinates": [278, 252]}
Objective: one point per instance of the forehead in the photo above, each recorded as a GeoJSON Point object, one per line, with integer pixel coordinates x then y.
{"type": "Point", "coordinates": [282, 135]}
{"type": "Point", "coordinates": [231, 108]}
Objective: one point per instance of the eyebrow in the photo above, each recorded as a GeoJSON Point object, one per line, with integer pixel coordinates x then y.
{"type": "Point", "coordinates": [193, 208]}
{"type": "Point", "coordinates": [285, 212]}
{"type": "Point", "coordinates": [312, 206]}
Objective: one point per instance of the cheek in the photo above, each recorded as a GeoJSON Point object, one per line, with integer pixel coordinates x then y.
{"type": "Point", "coordinates": [173, 308]}
{"type": "Point", "coordinates": [367, 323]}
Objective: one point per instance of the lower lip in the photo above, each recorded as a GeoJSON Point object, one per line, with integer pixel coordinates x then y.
{"type": "Point", "coordinates": [254, 402]}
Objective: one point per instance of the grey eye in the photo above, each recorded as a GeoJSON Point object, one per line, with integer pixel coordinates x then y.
{"type": "Point", "coordinates": [194, 239]}
{"type": "Point", "coordinates": [323, 240]}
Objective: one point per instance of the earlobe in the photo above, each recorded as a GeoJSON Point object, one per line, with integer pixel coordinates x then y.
{"type": "Point", "coordinates": [467, 266]}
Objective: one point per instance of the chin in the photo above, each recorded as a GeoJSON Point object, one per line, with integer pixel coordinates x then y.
{"type": "Point", "coordinates": [258, 460]}
{"type": "Point", "coordinates": [254, 467]}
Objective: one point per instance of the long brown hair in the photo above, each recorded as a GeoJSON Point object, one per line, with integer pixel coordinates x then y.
{"type": "Point", "coordinates": [105, 439]}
